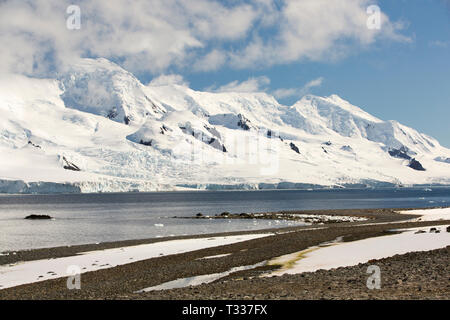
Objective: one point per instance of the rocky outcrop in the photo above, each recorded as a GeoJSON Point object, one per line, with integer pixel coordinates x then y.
{"type": "Point", "coordinates": [34, 145]}
{"type": "Point", "coordinates": [146, 143]}
{"type": "Point", "coordinates": [243, 122]}
{"type": "Point", "coordinates": [294, 147]}
{"type": "Point", "coordinates": [38, 217]}
{"type": "Point", "coordinates": [401, 153]}
{"type": "Point", "coordinates": [69, 165]}
{"type": "Point", "coordinates": [416, 165]}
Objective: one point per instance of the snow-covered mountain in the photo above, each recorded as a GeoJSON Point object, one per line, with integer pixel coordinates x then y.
{"type": "Point", "coordinates": [97, 128]}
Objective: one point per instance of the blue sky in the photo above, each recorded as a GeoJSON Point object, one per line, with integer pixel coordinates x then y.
{"type": "Point", "coordinates": [408, 82]}
{"type": "Point", "coordinates": [283, 47]}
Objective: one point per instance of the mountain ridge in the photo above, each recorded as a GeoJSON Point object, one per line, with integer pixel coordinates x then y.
{"type": "Point", "coordinates": [126, 136]}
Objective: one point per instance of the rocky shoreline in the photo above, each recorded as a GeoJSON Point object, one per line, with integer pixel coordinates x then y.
{"type": "Point", "coordinates": [422, 275]}
{"type": "Point", "coordinates": [311, 218]}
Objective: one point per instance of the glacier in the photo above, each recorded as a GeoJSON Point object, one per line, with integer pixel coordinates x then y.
{"type": "Point", "coordinates": [96, 128]}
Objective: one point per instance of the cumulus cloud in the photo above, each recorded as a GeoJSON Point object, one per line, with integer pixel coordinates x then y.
{"type": "Point", "coordinates": [317, 30]}
{"type": "Point", "coordinates": [141, 35]}
{"type": "Point", "coordinates": [211, 61]}
{"type": "Point", "coordinates": [253, 84]}
{"type": "Point", "coordinates": [261, 84]}
{"type": "Point", "coordinates": [297, 92]}
{"type": "Point", "coordinates": [168, 79]}
{"type": "Point", "coordinates": [151, 36]}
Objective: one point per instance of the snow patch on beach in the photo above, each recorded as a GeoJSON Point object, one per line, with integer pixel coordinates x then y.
{"type": "Point", "coordinates": [198, 280]}
{"type": "Point", "coordinates": [430, 214]}
{"type": "Point", "coordinates": [335, 255]}
{"type": "Point", "coordinates": [214, 257]}
{"type": "Point", "coordinates": [34, 271]}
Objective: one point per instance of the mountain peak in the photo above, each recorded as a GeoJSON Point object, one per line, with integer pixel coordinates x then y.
{"type": "Point", "coordinates": [334, 104]}
{"type": "Point", "coordinates": [102, 87]}
{"type": "Point", "coordinates": [122, 135]}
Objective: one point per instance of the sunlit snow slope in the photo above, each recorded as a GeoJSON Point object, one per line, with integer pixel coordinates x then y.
{"type": "Point", "coordinates": [97, 128]}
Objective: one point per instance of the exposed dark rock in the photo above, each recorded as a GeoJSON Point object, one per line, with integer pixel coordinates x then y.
{"type": "Point", "coordinates": [126, 120]}
{"type": "Point", "coordinates": [112, 113]}
{"type": "Point", "coordinates": [38, 217]}
{"type": "Point", "coordinates": [199, 135]}
{"type": "Point", "coordinates": [448, 229]}
{"type": "Point", "coordinates": [328, 143]}
{"type": "Point", "coordinates": [199, 215]}
{"type": "Point", "coordinates": [243, 125]}
{"type": "Point", "coordinates": [401, 153]}
{"type": "Point", "coordinates": [213, 142]}
{"type": "Point", "coordinates": [269, 133]}
{"type": "Point", "coordinates": [34, 145]}
{"type": "Point", "coordinates": [163, 129]}
{"type": "Point", "coordinates": [69, 165]}
{"type": "Point", "coordinates": [416, 165]}
{"type": "Point", "coordinates": [243, 122]}
{"type": "Point", "coordinates": [324, 150]}
{"type": "Point", "coordinates": [146, 143]}
{"type": "Point", "coordinates": [294, 147]}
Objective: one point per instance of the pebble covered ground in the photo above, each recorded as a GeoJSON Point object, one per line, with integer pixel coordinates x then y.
{"type": "Point", "coordinates": [416, 275]}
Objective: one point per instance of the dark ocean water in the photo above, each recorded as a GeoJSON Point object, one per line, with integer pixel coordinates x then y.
{"type": "Point", "coordinates": [91, 218]}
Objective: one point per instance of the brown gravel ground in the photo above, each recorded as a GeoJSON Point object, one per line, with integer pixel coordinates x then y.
{"type": "Point", "coordinates": [423, 275]}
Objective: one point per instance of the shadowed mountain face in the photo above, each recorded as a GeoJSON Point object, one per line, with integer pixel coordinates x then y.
{"type": "Point", "coordinates": [97, 128]}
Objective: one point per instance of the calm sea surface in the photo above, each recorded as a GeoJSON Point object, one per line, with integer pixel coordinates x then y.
{"type": "Point", "coordinates": [92, 218]}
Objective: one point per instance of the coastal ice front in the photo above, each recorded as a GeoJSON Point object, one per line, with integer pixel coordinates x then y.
{"type": "Point", "coordinates": [97, 128]}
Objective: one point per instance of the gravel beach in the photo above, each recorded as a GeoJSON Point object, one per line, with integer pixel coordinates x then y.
{"type": "Point", "coordinates": [421, 275]}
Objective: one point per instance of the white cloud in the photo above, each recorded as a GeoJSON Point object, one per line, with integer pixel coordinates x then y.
{"type": "Point", "coordinates": [260, 84]}
{"type": "Point", "coordinates": [285, 93]}
{"type": "Point", "coordinates": [297, 92]}
{"type": "Point", "coordinates": [439, 44]}
{"type": "Point", "coordinates": [155, 35]}
{"type": "Point", "coordinates": [143, 36]}
{"type": "Point", "coordinates": [254, 84]}
{"type": "Point", "coordinates": [211, 61]}
{"type": "Point", "coordinates": [316, 30]}
{"type": "Point", "coordinates": [168, 79]}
